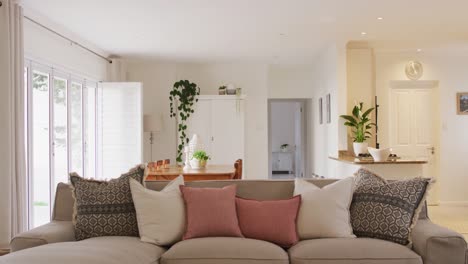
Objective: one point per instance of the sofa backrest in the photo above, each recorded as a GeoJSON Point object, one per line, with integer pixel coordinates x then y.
{"type": "Point", "coordinates": [250, 189]}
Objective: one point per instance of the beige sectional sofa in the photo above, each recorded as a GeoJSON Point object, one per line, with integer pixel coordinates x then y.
{"type": "Point", "coordinates": [54, 242]}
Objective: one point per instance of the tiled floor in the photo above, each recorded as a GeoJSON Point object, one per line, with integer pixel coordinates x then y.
{"type": "Point", "coordinates": [453, 217]}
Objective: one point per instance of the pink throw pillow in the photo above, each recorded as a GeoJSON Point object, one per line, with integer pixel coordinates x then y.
{"type": "Point", "coordinates": [211, 212]}
{"type": "Point", "coordinates": [273, 221]}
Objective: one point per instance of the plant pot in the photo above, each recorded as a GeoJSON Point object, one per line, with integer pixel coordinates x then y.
{"type": "Point", "coordinates": [203, 164]}
{"type": "Point", "coordinates": [197, 164]}
{"type": "Point", "coordinates": [360, 148]}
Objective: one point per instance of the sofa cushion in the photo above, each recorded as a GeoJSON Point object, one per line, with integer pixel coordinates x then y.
{"type": "Point", "coordinates": [105, 208]}
{"type": "Point", "coordinates": [332, 201]}
{"type": "Point", "coordinates": [99, 250]}
{"type": "Point", "coordinates": [272, 221]}
{"type": "Point", "coordinates": [160, 215]}
{"type": "Point", "coordinates": [211, 212]}
{"type": "Point", "coordinates": [351, 250]}
{"type": "Point", "coordinates": [386, 210]}
{"type": "Point", "coordinates": [224, 250]}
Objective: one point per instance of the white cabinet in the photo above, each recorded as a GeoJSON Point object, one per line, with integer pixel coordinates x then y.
{"type": "Point", "coordinates": [283, 162]}
{"type": "Point", "coordinates": [219, 121]}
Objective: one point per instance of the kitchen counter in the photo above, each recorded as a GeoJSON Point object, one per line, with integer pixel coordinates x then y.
{"type": "Point", "coordinates": [353, 160]}
{"type": "Point", "coordinates": [393, 169]}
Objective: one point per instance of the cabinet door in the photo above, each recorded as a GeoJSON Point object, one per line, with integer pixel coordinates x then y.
{"type": "Point", "coordinates": [200, 123]}
{"type": "Point", "coordinates": [285, 161]}
{"type": "Point", "coordinates": [228, 131]}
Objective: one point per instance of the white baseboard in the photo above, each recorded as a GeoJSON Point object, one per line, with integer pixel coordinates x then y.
{"type": "Point", "coordinates": [453, 203]}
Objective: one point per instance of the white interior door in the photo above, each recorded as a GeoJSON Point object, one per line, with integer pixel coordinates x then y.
{"type": "Point", "coordinates": [200, 123]}
{"type": "Point", "coordinates": [227, 131]}
{"type": "Point", "coordinates": [414, 125]}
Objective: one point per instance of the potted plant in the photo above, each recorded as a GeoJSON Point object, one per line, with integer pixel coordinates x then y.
{"type": "Point", "coordinates": [361, 125]}
{"type": "Point", "coordinates": [199, 159]}
{"type": "Point", "coordinates": [222, 90]}
{"type": "Point", "coordinates": [284, 147]}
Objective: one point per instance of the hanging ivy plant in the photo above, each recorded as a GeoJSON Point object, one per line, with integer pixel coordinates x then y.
{"type": "Point", "coordinates": [183, 96]}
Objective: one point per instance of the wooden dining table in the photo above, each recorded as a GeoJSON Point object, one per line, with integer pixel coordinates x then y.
{"type": "Point", "coordinates": [211, 172]}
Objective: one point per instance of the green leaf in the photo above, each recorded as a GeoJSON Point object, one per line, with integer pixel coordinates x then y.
{"type": "Point", "coordinates": [350, 119]}
{"type": "Point", "coordinates": [356, 111]}
{"type": "Point", "coordinates": [366, 113]}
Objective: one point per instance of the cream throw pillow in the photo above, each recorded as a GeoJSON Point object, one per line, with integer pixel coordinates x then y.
{"type": "Point", "coordinates": [324, 212]}
{"type": "Point", "coordinates": [160, 215]}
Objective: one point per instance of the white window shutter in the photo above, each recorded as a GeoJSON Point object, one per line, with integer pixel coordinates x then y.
{"type": "Point", "coordinates": [120, 125]}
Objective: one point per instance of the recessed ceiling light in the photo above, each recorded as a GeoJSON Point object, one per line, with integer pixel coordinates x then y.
{"type": "Point", "coordinates": [419, 50]}
{"type": "Point", "coordinates": [380, 18]}
{"type": "Point", "coordinates": [363, 33]}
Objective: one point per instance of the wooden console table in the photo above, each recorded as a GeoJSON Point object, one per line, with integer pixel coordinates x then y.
{"type": "Point", "coordinates": [211, 172]}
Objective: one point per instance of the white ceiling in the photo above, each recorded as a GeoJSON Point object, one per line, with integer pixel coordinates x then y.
{"type": "Point", "coordinates": [290, 31]}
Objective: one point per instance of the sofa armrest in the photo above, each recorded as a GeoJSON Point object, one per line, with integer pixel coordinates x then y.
{"type": "Point", "coordinates": [436, 244]}
{"type": "Point", "coordinates": [53, 232]}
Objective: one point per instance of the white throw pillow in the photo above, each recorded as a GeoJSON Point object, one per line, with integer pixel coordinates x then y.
{"type": "Point", "coordinates": [324, 212]}
{"type": "Point", "coordinates": [160, 215]}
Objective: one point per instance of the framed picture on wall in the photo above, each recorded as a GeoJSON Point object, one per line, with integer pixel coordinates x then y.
{"type": "Point", "coordinates": [328, 99]}
{"type": "Point", "coordinates": [462, 103]}
{"type": "Point", "coordinates": [320, 110]}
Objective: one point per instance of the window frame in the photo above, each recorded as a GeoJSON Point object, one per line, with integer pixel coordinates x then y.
{"type": "Point", "coordinates": [30, 66]}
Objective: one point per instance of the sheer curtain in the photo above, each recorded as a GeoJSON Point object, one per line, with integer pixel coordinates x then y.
{"type": "Point", "coordinates": [13, 190]}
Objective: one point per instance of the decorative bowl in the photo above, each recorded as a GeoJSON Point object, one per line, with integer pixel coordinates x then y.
{"type": "Point", "coordinates": [380, 154]}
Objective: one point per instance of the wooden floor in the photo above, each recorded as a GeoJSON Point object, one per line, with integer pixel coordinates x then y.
{"type": "Point", "coordinates": [453, 217]}
{"type": "Point", "coordinates": [4, 251]}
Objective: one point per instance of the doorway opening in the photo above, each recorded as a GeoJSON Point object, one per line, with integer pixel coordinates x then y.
{"type": "Point", "coordinates": [287, 138]}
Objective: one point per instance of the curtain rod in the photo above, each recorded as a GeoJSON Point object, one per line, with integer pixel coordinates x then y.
{"type": "Point", "coordinates": [64, 37]}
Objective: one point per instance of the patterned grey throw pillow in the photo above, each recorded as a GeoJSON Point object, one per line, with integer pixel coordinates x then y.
{"type": "Point", "coordinates": [386, 210]}
{"type": "Point", "coordinates": [105, 208]}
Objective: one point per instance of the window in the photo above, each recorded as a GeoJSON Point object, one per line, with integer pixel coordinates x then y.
{"type": "Point", "coordinates": [76, 125]}
{"type": "Point", "coordinates": [40, 181]}
{"type": "Point", "coordinates": [61, 134]}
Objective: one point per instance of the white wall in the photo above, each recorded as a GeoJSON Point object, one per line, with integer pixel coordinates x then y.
{"type": "Point", "coordinates": [158, 79]}
{"type": "Point", "coordinates": [43, 46]}
{"type": "Point", "coordinates": [360, 82]}
{"type": "Point", "coordinates": [451, 72]}
{"type": "Point", "coordinates": [328, 139]}
{"type": "Point", "coordinates": [290, 81]}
